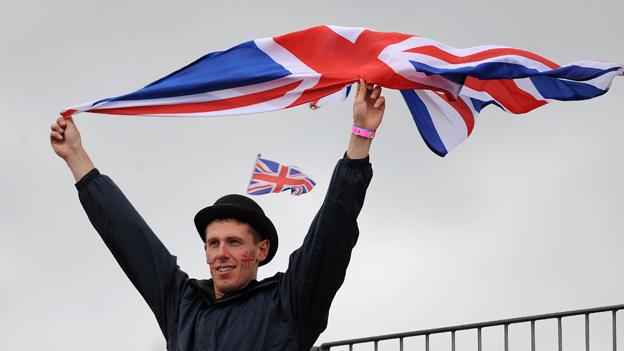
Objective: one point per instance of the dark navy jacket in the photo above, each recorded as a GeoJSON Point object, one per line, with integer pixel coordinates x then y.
{"type": "Point", "coordinates": [285, 312]}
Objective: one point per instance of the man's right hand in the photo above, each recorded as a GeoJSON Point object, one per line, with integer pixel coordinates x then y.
{"type": "Point", "coordinates": [368, 111]}
{"type": "Point", "coordinates": [66, 143]}
{"type": "Point", "coordinates": [65, 138]}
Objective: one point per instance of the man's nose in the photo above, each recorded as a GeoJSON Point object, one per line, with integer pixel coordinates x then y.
{"type": "Point", "coordinates": [222, 252]}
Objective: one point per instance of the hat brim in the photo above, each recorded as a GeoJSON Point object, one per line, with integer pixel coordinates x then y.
{"type": "Point", "coordinates": [258, 221]}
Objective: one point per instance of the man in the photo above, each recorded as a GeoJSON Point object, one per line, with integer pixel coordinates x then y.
{"type": "Point", "coordinates": [234, 311]}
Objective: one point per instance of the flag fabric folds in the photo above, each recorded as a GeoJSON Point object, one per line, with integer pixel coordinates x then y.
{"type": "Point", "coordinates": [444, 87]}
{"type": "Point", "coordinates": [271, 177]}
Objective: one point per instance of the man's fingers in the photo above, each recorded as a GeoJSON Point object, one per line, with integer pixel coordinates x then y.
{"type": "Point", "coordinates": [380, 103]}
{"type": "Point", "coordinates": [361, 91]}
{"type": "Point", "coordinates": [367, 90]}
{"type": "Point", "coordinates": [57, 128]}
{"type": "Point", "coordinates": [56, 135]}
{"type": "Point", "coordinates": [376, 92]}
{"type": "Point", "coordinates": [59, 125]}
{"type": "Point", "coordinates": [61, 122]}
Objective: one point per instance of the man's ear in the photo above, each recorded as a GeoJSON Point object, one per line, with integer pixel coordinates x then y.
{"type": "Point", "coordinates": [263, 250]}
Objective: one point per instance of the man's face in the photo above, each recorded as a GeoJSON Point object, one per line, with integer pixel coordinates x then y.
{"type": "Point", "coordinates": [232, 254]}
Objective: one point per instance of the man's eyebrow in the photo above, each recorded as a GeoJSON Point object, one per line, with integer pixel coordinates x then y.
{"type": "Point", "coordinates": [233, 238]}
{"type": "Point", "coordinates": [227, 237]}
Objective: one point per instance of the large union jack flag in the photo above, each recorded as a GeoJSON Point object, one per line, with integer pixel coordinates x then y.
{"type": "Point", "coordinates": [271, 177]}
{"type": "Point", "coordinates": [444, 87]}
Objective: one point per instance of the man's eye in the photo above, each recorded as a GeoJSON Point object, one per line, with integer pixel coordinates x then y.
{"type": "Point", "coordinates": [213, 244]}
{"type": "Point", "coordinates": [235, 242]}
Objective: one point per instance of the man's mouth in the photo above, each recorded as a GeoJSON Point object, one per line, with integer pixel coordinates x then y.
{"type": "Point", "coordinates": [225, 269]}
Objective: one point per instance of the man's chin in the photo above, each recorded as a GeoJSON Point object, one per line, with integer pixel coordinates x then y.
{"type": "Point", "coordinates": [225, 288]}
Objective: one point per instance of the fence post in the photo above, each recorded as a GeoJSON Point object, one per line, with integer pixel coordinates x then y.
{"type": "Point", "coordinates": [559, 334]}
{"type": "Point", "coordinates": [532, 335]}
{"type": "Point", "coordinates": [614, 316]}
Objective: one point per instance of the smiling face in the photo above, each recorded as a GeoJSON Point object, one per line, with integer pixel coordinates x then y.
{"type": "Point", "coordinates": [233, 252]}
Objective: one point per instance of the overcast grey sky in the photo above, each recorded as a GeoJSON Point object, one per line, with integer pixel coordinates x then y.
{"type": "Point", "coordinates": [523, 218]}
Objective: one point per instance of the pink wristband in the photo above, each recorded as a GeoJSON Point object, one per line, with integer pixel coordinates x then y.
{"type": "Point", "coordinates": [363, 132]}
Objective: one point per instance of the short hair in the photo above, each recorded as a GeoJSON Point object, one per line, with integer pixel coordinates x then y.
{"type": "Point", "coordinates": [255, 234]}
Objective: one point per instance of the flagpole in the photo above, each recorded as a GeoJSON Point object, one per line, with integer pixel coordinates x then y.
{"type": "Point", "coordinates": [253, 168]}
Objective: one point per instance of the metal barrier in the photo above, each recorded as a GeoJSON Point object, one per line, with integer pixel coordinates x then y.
{"type": "Point", "coordinates": [479, 326]}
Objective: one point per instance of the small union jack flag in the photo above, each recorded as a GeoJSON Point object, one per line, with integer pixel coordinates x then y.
{"type": "Point", "coordinates": [272, 177]}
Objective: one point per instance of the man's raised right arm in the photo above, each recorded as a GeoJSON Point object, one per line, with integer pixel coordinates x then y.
{"type": "Point", "coordinates": [139, 252]}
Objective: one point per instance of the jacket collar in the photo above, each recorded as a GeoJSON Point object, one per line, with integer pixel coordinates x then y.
{"type": "Point", "coordinates": [205, 288]}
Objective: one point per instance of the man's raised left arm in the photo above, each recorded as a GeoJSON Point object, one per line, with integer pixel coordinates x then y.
{"type": "Point", "coordinates": [317, 269]}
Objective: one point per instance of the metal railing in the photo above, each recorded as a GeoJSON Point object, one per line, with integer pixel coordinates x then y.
{"type": "Point", "coordinates": [505, 323]}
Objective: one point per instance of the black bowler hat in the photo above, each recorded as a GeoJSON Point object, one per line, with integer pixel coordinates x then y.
{"type": "Point", "coordinates": [241, 208]}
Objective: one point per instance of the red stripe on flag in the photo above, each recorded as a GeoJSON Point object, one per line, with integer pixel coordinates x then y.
{"type": "Point", "coordinates": [463, 110]}
{"type": "Point", "coordinates": [306, 183]}
{"type": "Point", "coordinates": [342, 62]}
{"type": "Point", "coordinates": [68, 113]}
{"type": "Point", "coordinates": [277, 179]}
{"type": "Point", "coordinates": [208, 106]}
{"type": "Point", "coordinates": [438, 53]}
{"type": "Point", "coordinates": [283, 171]}
{"type": "Point", "coordinates": [261, 167]}
{"type": "Point", "coordinates": [507, 93]}
{"type": "Point", "coordinates": [257, 187]}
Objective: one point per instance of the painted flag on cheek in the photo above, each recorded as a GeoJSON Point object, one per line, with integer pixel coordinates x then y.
{"type": "Point", "coordinates": [271, 177]}
{"type": "Point", "coordinates": [444, 87]}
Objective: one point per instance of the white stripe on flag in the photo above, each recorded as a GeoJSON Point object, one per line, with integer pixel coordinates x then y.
{"type": "Point", "coordinates": [349, 33]}
{"type": "Point", "coordinates": [526, 85]}
{"type": "Point", "coordinates": [399, 61]}
{"type": "Point", "coordinates": [601, 82]}
{"type": "Point", "coordinates": [448, 123]}
{"type": "Point", "coordinates": [203, 97]}
{"type": "Point", "coordinates": [438, 63]}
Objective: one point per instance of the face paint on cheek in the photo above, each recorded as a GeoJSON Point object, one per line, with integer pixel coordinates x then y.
{"type": "Point", "coordinates": [248, 260]}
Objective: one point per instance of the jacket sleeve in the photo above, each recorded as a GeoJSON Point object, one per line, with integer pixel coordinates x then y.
{"type": "Point", "coordinates": [317, 269]}
{"type": "Point", "coordinates": [141, 255]}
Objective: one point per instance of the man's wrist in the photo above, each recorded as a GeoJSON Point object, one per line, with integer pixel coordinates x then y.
{"type": "Point", "coordinates": [358, 147]}
{"type": "Point", "coordinates": [79, 163]}
{"type": "Point", "coordinates": [362, 132]}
